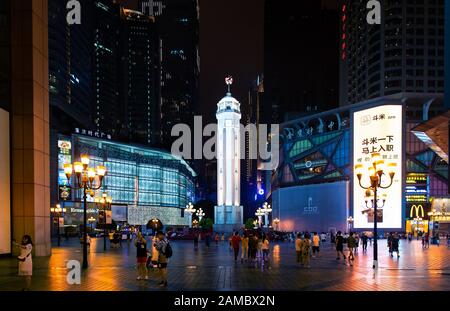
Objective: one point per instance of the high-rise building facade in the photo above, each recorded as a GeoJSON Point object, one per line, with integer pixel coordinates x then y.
{"type": "Point", "coordinates": [299, 80]}
{"type": "Point", "coordinates": [108, 111]}
{"type": "Point", "coordinates": [404, 54]}
{"type": "Point", "coordinates": [178, 23]}
{"type": "Point", "coordinates": [140, 77]}
{"type": "Point", "coordinates": [70, 64]}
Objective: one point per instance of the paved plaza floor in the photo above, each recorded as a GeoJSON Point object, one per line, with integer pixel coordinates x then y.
{"type": "Point", "coordinates": [213, 268]}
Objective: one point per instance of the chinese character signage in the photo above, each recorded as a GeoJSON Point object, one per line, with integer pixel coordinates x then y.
{"type": "Point", "coordinates": [378, 130]}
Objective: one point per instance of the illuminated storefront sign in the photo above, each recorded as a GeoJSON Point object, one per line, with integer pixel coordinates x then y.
{"type": "Point", "coordinates": [379, 129]}
{"type": "Point", "coordinates": [64, 156]}
{"type": "Point", "coordinates": [440, 210]}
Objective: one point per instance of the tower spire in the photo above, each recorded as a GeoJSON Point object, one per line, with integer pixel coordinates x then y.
{"type": "Point", "coordinates": [229, 82]}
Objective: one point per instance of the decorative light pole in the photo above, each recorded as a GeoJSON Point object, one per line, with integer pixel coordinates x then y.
{"type": "Point", "coordinates": [255, 224]}
{"type": "Point", "coordinates": [200, 214]}
{"type": "Point", "coordinates": [105, 200]}
{"type": "Point", "coordinates": [266, 209]}
{"type": "Point", "coordinates": [190, 210]}
{"type": "Point", "coordinates": [276, 222]}
{"type": "Point", "coordinates": [88, 179]}
{"type": "Point", "coordinates": [375, 173]}
{"type": "Point", "coordinates": [57, 213]}
{"type": "Point", "coordinates": [259, 213]}
{"type": "Point", "coordinates": [349, 222]}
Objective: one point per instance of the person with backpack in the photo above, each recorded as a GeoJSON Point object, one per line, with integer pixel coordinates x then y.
{"type": "Point", "coordinates": [164, 249]}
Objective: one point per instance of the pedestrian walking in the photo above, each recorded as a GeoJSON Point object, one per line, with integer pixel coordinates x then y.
{"type": "Point", "coordinates": [25, 260]}
{"type": "Point", "coordinates": [259, 248]}
{"type": "Point", "coordinates": [164, 253]}
{"type": "Point", "coordinates": [356, 235]}
{"type": "Point", "coordinates": [306, 250]}
{"type": "Point", "coordinates": [389, 243]}
{"type": "Point", "coordinates": [427, 240]}
{"type": "Point", "coordinates": [339, 246]}
{"type": "Point", "coordinates": [195, 242]}
{"type": "Point", "coordinates": [364, 242]}
{"type": "Point", "coordinates": [351, 244]}
{"type": "Point", "coordinates": [207, 239]}
{"type": "Point", "coordinates": [216, 239]}
{"type": "Point", "coordinates": [141, 256]}
{"type": "Point", "coordinates": [235, 242]}
{"type": "Point", "coordinates": [395, 241]}
{"type": "Point", "coordinates": [223, 237]}
{"type": "Point", "coordinates": [244, 252]}
{"type": "Point", "coordinates": [298, 247]}
{"type": "Point", "coordinates": [252, 246]}
{"type": "Point", "coordinates": [315, 247]}
{"type": "Point", "coordinates": [265, 247]}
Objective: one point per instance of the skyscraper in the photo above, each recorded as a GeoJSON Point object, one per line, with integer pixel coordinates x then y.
{"type": "Point", "coordinates": [404, 54]}
{"type": "Point", "coordinates": [178, 24]}
{"type": "Point", "coordinates": [140, 77]}
{"type": "Point", "coordinates": [299, 73]}
{"type": "Point", "coordinates": [108, 111]}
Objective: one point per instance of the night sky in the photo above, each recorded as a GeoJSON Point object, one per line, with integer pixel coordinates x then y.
{"type": "Point", "coordinates": [231, 42]}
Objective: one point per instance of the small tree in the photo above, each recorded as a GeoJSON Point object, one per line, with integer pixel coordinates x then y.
{"type": "Point", "coordinates": [206, 223]}
{"type": "Point", "coordinates": [249, 224]}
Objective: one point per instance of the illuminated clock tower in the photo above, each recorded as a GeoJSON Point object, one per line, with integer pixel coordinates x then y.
{"type": "Point", "coordinates": [228, 212]}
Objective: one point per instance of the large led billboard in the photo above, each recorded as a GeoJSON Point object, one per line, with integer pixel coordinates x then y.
{"type": "Point", "coordinates": [5, 208]}
{"type": "Point", "coordinates": [378, 130]}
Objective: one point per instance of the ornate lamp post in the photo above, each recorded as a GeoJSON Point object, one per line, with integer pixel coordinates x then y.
{"type": "Point", "coordinates": [57, 212]}
{"type": "Point", "coordinates": [88, 179]}
{"type": "Point", "coordinates": [190, 210]}
{"type": "Point", "coordinates": [266, 209]}
{"type": "Point", "coordinates": [374, 174]}
{"type": "Point", "coordinates": [276, 222]}
{"type": "Point", "coordinates": [200, 214]}
{"type": "Point", "coordinates": [105, 200]}
{"type": "Point", "coordinates": [259, 213]}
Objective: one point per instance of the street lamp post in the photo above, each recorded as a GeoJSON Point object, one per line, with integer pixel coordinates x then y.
{"type": "Point", "coordinates": [375, 173]}
{"type": "Point", "coordinates": [259, 213]}
{"type": "Point", "coordinates": [87, 179]}
{"type": "Point", "coordinates": [190, 210]}
{"type": "Point", "coordinates": [57, 213]}
{"type": "Point", "coordinates": [200, 214]}
{"type": "Point", "coordinates": [266, 209]}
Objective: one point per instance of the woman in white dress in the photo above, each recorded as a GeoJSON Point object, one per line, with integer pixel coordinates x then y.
{"type": "Point", "coordinates": [25, 260]}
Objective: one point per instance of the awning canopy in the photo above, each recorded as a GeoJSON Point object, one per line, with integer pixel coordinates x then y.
{"type": "Point", "coordinates": [434, 133]}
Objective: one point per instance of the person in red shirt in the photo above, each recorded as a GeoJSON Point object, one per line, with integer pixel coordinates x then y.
{"type": "Point", "coordinates": [235, 240]}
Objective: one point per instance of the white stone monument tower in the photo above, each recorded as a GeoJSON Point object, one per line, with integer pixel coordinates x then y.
{"type": "Point", "coordinates": [228, 213]}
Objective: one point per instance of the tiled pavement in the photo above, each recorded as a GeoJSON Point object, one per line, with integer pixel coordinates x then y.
{"type": "Point", "coordinates": [214, 269]}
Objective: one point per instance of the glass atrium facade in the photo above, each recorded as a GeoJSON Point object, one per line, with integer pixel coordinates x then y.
{"type": "Point", "coordinates": [152, 183]}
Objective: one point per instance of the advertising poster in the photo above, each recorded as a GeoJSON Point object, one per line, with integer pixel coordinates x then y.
{"type": "Point", "coordinates": [378, 130]}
